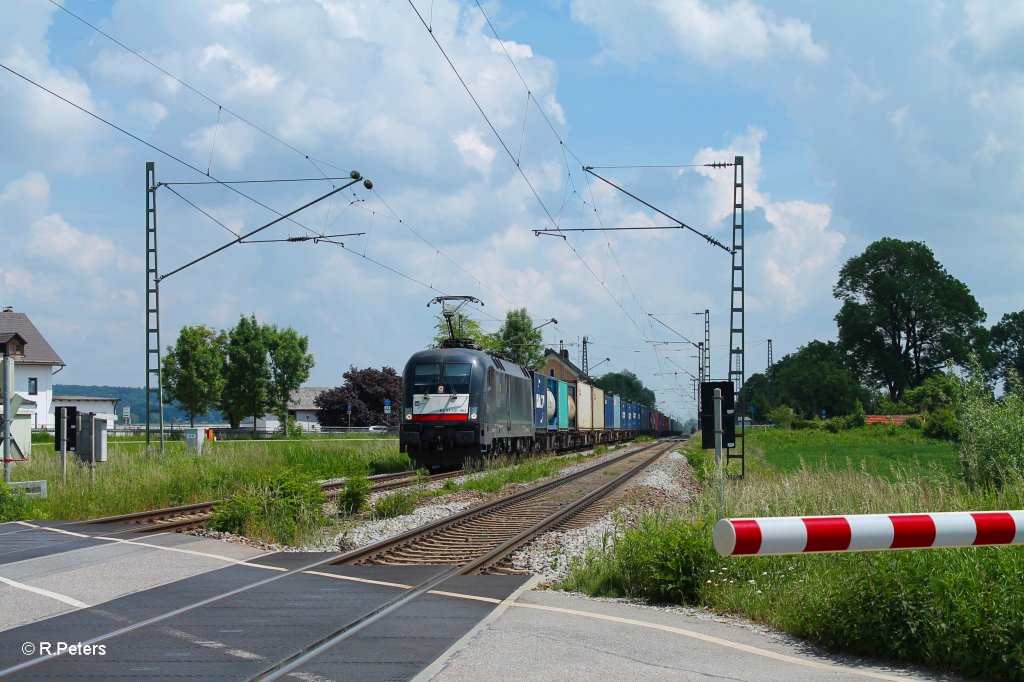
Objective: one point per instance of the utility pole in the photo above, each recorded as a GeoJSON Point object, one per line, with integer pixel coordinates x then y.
{"type": "Point", "coordinates": [586, 360]}
{"type": "Point", "coordinates": [8, 369]}
{"type": "Point", "coordinates": [154, 372]}
{"type": "Point", "coordinates": [737, 333]}
{"type": "Point", "coordinates": [768, 372]}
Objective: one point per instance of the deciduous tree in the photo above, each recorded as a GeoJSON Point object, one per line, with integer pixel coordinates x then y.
{"type": "Point", "coordinates": [627, 385]}
{"type": "Point", "coordinates": [816, 378]}
{"type": "Point", "coordinates": [290, 362]}
{"type": "Point", "coordinates": [520, 342]}
{"type": "Point", "coordinates": [193, 370]}
{"type": "Point", "coordinates": [1008, 346]}
{"type": "Point", "coordinates": [247, 373]}
{"type": "Point", "coordinates": [465, 328]}
{"type": "Point", "coordinates": [903, 316]}
{"type": "Point", "coordinates": [365, 390]}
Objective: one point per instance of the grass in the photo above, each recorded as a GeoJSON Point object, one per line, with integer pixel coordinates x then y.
{"type": "Point", "coordinates": [956, 609]}
{"type": "Point", "coordinates": [881, 450]}
{"type": "Point", "coordinates": [132, 481]}
{"type": "Point", "coordinates": [285, 507]}
{"type": "Point", "coordinates": [500, 472]}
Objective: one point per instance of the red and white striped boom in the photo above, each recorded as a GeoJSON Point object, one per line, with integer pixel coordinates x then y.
{"type": "Point", "coordinates": [867, 532]}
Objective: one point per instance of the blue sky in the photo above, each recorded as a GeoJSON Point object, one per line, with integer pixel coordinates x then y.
{"type": "Point", "coordinates": [856, 122]}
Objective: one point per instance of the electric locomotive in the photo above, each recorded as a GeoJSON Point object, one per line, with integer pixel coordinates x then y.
{"type": "Point", "coordinates": [459, 403]}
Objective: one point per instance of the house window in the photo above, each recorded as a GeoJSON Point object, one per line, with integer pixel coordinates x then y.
{"type": "Point", "coordinates": [33, 386]}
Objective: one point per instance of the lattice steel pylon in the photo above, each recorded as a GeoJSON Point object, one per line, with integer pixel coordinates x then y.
{"type": "Point", "coordinates": [154, 393]}
{"type": "Point", "coordinates": [768, 371]}
{"type": "Point", "coordinates": [736, 314]}
{"type": "Point", "coordinates": [707, 345]}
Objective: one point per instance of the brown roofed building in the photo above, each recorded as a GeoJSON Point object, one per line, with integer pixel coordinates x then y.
{"type": "Point", "coordinates": [33, 373]}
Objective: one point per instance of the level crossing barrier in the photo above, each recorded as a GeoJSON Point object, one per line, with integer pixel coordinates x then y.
{"type": "Point", "coordinates": [867, 532]}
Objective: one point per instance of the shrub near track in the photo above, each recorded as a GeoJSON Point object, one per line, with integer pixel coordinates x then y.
{"type": "Point", "coordinates": [954, 609]}
{"type": "Point", "coordinates": [132, 481]}
{"type": "Point", "coordinates": [285, 508]}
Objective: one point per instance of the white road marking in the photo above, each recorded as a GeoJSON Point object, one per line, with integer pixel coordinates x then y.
{"type": "Point", "coordinates": [46, 593]}
{"type": "Point", "coordinates": [179, 550]}
{"type": "Point", "coordinates": [213, 644]}
{"type": "Point", "coordinates": [715, 640]}
{"type": "Point", "coordinates": [401, 586]}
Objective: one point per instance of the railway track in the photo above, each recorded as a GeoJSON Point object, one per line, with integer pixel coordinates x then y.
{"type": "Point", "coordinates": [480, 539]}
{"type": "Point", "coordinates": [193, 516]}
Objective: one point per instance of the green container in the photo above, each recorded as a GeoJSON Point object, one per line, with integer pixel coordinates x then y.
{"type": "Point", "coordinates": [563, 405]}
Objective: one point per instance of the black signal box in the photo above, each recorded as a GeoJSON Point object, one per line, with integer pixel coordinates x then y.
{"type": "Point", "coordinates": [72, 429]}
{"type": "Point", "coordinates": [707, 417]}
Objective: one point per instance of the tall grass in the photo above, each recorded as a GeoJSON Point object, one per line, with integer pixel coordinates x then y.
{"type": "Point", "coordinates": [956, 609]}
{"type": "Point", "coordinates": [284, 508]}
{"type": "Point", "coordinates": [500, 472]}
{"type": "Point", "coordinates": [132, 481]}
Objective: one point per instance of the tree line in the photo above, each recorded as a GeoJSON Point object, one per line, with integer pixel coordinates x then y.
{"type": "Point", "coordinates": [903, 320]}
{"type": "Point", "coordinates": [250, 369]}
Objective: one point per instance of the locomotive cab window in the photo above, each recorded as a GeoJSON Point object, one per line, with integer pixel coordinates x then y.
{"type": "Point", "coordinates": [456, 376]}
{"type": "Point", "coordinates": [427, 378]}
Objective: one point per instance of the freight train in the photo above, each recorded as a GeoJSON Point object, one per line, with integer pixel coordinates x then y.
{"type": "Point", "coordinates": [462, 404]}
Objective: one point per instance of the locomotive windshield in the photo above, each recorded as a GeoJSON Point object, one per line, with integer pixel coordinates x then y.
{"type": "Point", "coordinates": [434, 377]}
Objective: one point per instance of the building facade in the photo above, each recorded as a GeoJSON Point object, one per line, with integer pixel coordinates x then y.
{"type": "Point", "coordinates": [33, 373]}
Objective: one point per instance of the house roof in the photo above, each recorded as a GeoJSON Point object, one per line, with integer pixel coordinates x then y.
{"type": "Point", "coordinates": [566, 362]}
{"type": "Point", "coordinates": [304, 397]}
{"type": "Point", "coordinates": [83, 399]}
{"type": "Point", "coordinates": [37, 350]}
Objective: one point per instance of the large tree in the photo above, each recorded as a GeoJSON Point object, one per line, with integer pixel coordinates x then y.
{"type": "Point", "coordinates": [903, 316]}
{"type": "Point", "coordinates": [627, 385]}
{"type": "Point", "coordinates": [247, 373]}
{"type": "Point", "coordinates": [365, 390]}
{"type": "Point", "coordinates": [290, 362]}
{"type": "Point", "coordinates": [193, 370]}
{"type": "Point", "coordinates": [1008, 346]}
{"type": "Point", "coordinates": [814, 379]}
{"type": "Point", "coordinates": [465, 328]}
{"type": "Point", "coordinates": [520, 342]}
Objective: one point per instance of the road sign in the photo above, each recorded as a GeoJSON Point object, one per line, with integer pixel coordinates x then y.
{"type": "Point", "coordinates": [350, 409]}
{"type": "Point", "coordinates": [387, 402]}
{"type": "Point", "coordinates": [387, 409]}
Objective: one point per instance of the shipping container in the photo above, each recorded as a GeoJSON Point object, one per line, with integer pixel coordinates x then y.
{"type": "Point", "coordinates": [563, 405]}
{"type": "Point", "coordinates": [572, 411]}
{"type": "Point", "coordinates": [597, 404]}
{"type": "Point", "coordinates": [584, 406]}
{"type": "Point", "coordinates": [609, 411]}
{"type": "Point", "coordinates": [552, 403]}
{"type": "Point", "coordinates": [617, 412]}
{"type": "Point", "coordinates": [540, 402]}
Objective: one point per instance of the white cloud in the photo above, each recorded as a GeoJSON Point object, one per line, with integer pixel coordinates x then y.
{"type": "Point", "coordinates": [474, 152]}
{"type": "Point", "coordinates": [231, 14]}
{"type": "Point", "coordinates": [246, 74]}
{"type": "Point", "coordinates": [231, 144]}
{"type": "Point", "coordinates": [991, 25]}
{"type": "Point", "coordinates": [713, 35]}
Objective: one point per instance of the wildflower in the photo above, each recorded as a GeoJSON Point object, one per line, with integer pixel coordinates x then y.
{"type": "Point", "coordinates": [709, 582]}
{"type": "Point", "coordinates": [750, 582]}
{"type": "Point", "coordinates": [759, 591]}
{"type": "Point", "coordinates": [764, 572]}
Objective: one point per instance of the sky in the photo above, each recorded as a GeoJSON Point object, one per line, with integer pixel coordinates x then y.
{"type": "Point", "coordinates": [855, 122]}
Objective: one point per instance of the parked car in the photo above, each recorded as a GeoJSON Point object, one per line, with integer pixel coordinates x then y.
{"type": "Point", "coordinates": [378, 429]}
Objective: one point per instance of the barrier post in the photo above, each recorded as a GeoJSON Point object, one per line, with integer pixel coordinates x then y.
{"type": "Point", "coordinates": [63, 435]}
{"type": "Point", "coordinates": [718, 453]}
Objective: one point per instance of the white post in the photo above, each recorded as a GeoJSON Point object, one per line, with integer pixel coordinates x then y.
{"type": "Point", "coordinates": [718, 453]}
{"type": "Point", "coordinates": [63, 435]}
{"type": "Point", "coordinates": [8, 417]}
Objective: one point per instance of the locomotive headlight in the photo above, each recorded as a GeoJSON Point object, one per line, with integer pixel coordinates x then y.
{"type": "Point", "coordinates": [473, 415]}
{"type": "Point", "coordinates": [472, 412]}
{"type": "Point", "coordinates": [408, 414]}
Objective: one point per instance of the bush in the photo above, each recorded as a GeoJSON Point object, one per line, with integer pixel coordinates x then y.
{"type": "Point", "coordinates": [284, 508]}
{"type": "Point", "coordinates": [395, 504]}
{"type": "Point", "coordinates": [663, 559]}
{"type": "Point", "coordinates": [13, 504]}
{"type": "Point", "coordinates": [857, 419]}
{"type": "Point", "coordinates": [942, 424]}
{"type": "Point", "coordinates": [353, 498]}
{"type": "Point", "coordinates": [782, 417]}
{"type": "Point", "coordinates": [913, 422]}
{"type": "Point", "coordinates": [991, 434]}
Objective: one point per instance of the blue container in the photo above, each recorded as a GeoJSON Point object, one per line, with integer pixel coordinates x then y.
{"type": "Point", "coordinates": [616, 412]}
{"type": "Point", "coordinates": [552, 404]}
{"type": "Point", "coordinates": [609, 411]}
{"type": "Point", "coordinates": [540, 402]}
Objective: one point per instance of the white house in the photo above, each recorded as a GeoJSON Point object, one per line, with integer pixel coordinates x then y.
{"type": "Point", "coordinates": [301, 406]}
{"type": "Point", "coordinates": [33, 373]}
{"type": "Point", "coordinates": [105, 408]}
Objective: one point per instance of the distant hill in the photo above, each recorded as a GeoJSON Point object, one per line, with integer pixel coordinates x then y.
{"type": "Point", "coordinates": [131, 396]}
